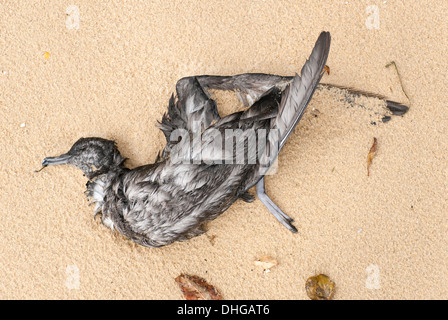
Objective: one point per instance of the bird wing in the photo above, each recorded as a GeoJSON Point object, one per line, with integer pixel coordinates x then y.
{"type": "Point", "coordinates": [191, 111]}
{"type": "Point", "coordinates": [294, 101]}
{"type": "Point", "coordinates": [298, 94]}
{"type": "Point", "coordinates": [249, 87]}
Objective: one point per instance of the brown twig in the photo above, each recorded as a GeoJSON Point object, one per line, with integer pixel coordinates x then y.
{"type": "Point", "coordinates": [399, 77]}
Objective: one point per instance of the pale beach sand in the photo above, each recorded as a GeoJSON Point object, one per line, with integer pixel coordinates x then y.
{"type": "Point", "coordinates": [377, 237]}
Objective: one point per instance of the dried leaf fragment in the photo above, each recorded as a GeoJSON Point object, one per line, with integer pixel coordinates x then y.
{"type": "Point", "coordinates": [196, 288]}
{"type": "Point", "coordinates": [266, 262]}
{"type": "Point", "coordinates": [371, 154]}
{"type": "Point", "coordinates": [320, 287]}
{"type": "Point", "coordinates": [212, 239]}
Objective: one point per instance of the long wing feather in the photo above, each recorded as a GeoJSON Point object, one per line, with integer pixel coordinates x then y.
{"type": "Point", "coordinates": [299, 93]}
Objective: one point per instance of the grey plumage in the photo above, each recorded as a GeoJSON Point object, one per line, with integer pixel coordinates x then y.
{"type": "Point", "coordinates": [157, 204]}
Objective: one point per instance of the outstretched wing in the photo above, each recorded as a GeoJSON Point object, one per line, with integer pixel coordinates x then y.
{"type": "Point", "coordinates": [294, 101]}
{"type": "Point", "coordinates": [192, 110]}
{"type": "Point", "coordinates": [298, 94]}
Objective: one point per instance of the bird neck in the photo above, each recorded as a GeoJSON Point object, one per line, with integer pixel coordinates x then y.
{"type": "Point", "coordinates": [100, 179]}
{"type": "Point", "coordinates": [98, 186]}
{"type": "Point", "coordinates": [111, 164]}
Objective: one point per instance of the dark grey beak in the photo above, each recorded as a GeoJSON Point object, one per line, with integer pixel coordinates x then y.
{"type": "Point", "coordinates": [52, 161]}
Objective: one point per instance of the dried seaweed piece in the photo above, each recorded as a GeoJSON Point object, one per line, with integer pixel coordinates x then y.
{"type": "Point", "coordinates": [266, 262]}
{"type": "Point", "coordinates": [196, 288]}
{"type": "Point", "coordinates": [320, 287]}
{"type": "Point", "coordinates": [371, 155]}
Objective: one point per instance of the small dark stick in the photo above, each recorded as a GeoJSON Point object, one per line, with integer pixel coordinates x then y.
{"type": "Point", "coordinates": [392, 63]}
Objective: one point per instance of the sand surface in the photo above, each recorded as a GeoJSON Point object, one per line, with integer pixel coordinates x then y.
{"type": "Point", "coordinates": [378, 237]}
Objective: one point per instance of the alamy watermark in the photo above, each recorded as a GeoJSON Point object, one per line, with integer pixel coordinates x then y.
{"type": "Point", "coordinates": [72, 20]}
{"type": "Point", "coordinates": [230, 146]}
{"type": "Point", "coordinates": [373, 20]}
{"type": "Point", "coordinates": [72, 280]}
{"type": "Point", "coordinates": [373, 281]}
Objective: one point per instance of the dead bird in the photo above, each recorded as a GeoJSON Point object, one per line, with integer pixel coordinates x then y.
{"type": "Point", "coordinates": [157, 204]}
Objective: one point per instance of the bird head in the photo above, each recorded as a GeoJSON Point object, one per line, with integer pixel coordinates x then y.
{"type": "Point", "coordinates": [94, 156]}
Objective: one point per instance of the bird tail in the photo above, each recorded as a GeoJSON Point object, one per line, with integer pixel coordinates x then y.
{"type": "Point", "coordinates": [295, 99]}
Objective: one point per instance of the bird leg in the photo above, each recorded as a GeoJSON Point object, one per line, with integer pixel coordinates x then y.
{"type": "Point", "coordinates": [282, 217]}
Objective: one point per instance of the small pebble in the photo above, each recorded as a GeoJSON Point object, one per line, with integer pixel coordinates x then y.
{"type": "Point", "coordinates": [320, 287]}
